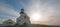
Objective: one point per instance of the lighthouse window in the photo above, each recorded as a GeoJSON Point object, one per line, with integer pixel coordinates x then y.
{"type": "Point", "coordinates": [10, 23]}
{"type": "Point", "coordinates": [25, 17]}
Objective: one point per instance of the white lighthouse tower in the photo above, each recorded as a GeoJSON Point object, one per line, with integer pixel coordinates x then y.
{"type": "Point", "coordinates": [23, 19]}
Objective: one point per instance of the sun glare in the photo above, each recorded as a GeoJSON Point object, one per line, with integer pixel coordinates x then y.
{"type": "Point", "coordinates": [35, 17]}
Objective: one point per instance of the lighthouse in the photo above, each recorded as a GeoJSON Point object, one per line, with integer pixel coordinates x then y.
{"type": "Point", "coordinates": [23, 18]}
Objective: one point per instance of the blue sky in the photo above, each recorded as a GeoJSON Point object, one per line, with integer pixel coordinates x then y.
{"type": "Point", "coordinates": [16, 3]}
{"type": "Point", "coordinates": [9, 9]}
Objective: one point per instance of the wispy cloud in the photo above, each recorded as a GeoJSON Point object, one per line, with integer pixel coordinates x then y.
{"type": "Point", "coordinates": [7, 12]}
{"type": "Point", "coordinates": [49, 9]}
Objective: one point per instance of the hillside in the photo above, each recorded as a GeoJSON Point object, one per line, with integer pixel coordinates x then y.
{"type": "Point", "coordinates": [37, 25]}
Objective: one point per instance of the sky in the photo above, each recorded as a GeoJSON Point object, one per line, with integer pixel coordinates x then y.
{"type": "Point", "coordinates": [48, 9]}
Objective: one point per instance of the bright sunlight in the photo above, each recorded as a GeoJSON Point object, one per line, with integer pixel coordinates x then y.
{"type": "Point", "coordinates": [36, 17]}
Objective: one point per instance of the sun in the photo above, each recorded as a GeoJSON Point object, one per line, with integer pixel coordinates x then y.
{"type": "Point", "coordinates": [35, 17]}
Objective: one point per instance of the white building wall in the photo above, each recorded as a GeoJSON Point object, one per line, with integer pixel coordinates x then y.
{"type": "Point", "coordinates": [21, 20]}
